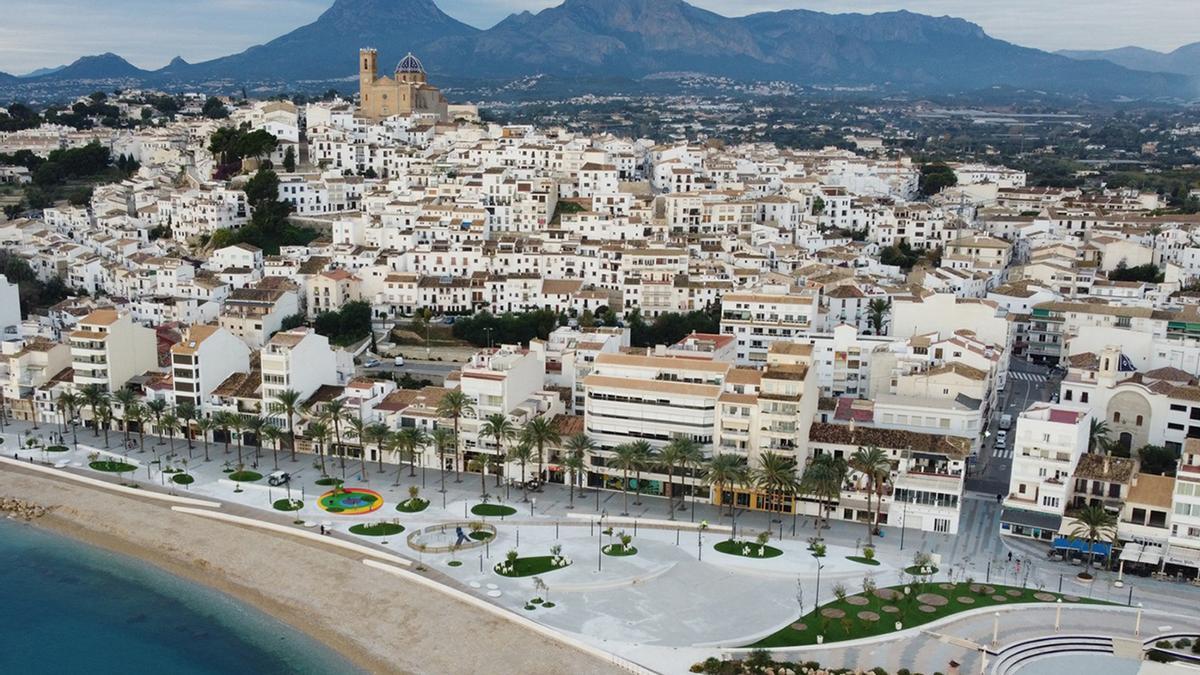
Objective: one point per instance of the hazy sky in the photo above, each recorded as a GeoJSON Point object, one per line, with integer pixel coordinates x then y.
{"type": "Point", "coordinates": [39, 33]}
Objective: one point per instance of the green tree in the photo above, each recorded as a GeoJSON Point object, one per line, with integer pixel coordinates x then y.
{"type": "Point", "coordinates": [500, 428]}
{"type": "Point", "coordinates": [874, 464]}
{"type": "Point", "coordinates": [725, 471]}
{"type": "Point", "coordinates": [1093, 523]}
{"type": "Point", "coordinates": [936, 177]}
{"type": "Point", "coordinates": [627, 457]}
{"type": "Point", "coordinates": [287, 405]}
{"type": "Point", "coordinates": [539, 433]}
{"type": "Point", "coordinates": [262, 187]}
{"type": "Point", "coordinates": [522, 453]}
{"type": "Point", "coordinates": [775, 476]}
{"type": "Point", "coordinates": [289, 159]}
{"type": "Point", "coordinates": [454, 406]}
{"type": "Point", "coordinates": [823, 479]}
{"type": "Point", "coordinates": [214, 110]}
{"type": "Point", "coordinates": [877, 311]}
{"type": "Point", "coordinates": [1158, 460]}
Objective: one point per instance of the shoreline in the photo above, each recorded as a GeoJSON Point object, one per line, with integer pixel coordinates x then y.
{"type": "Point", "coordinates": [317, 591]}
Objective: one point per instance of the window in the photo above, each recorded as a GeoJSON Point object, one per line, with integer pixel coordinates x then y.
{"type": "Point", "coordinates": [1117, 416]}
{"type": "Point", "coordinates": [1083, 397]}
{"type": "Point", "coordinates": [1139, 420]}
{"type": "Point", "coordinates": [1067, 395]}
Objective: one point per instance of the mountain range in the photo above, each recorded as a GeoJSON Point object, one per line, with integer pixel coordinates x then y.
{"type": "Point", "coordinates": [636, 38]}
{"type": "Point", "coordinates": [1184, 60]}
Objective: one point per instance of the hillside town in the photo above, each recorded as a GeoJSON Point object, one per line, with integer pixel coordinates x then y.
{"type": "Point", "coordinates": [731, 325]}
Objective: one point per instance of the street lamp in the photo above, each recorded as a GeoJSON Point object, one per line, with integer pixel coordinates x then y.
{"type": "Point", "coordinates": [817, 594]}
{"type": "Point", "coordinates": [995, 628]}
{"type": "Point", "coordinates": [532, 503]}
{"type": "Point", "coordinates": [1137, 628]}
{"type": "Point", "coordinates": [1058, 615]}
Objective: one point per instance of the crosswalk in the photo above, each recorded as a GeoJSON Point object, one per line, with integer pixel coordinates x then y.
{"type": "Point", "coordinates": [1002, 454]}
{"type": "Point", "coordinates": [1026, 377]}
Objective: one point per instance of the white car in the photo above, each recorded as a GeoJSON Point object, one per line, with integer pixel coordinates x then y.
{"type": "Point", "coordinates": [371, 363]}
{"type": "Point", "coordinates": [399, 361]}
{"type": "Point", "coordinates": [278, 478]}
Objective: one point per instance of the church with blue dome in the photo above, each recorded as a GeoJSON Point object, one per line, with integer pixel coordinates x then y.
{"type": "Point", "coordinates": [406, 92]}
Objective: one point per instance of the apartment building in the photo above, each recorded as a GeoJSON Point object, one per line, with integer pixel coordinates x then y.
{"type": "Point", "coordinates": [300, 360]}
{"type": "Point", "coordinates": [757, 320]}
{"type": "Point", "coordinates": [1048, 442]}
{"type": "Point", "coordinates": [205, 357]}
{"type": "Point", "coordinates": [108, 348]}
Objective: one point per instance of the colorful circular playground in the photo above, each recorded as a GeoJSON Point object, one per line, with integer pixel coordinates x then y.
{"type": "Point", "coordinates": [350, 501]}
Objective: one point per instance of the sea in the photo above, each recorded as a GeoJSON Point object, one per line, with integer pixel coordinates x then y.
{"type": "Point", "coordinates": [67, 607]}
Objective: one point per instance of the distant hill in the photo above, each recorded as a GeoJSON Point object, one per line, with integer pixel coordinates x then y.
{"type": "Point", "coordinates": [107, 66]}
{"type": "Point", "coordinates": [1184, 61]}
{"type": "Point", "coordinates": [5, 78]}
{"type": "Point", "coordinates": [328, 47]}
{"type": "Point", "coordinates": [635, 38]}
{"type": "Point", "coordinates": [42, 71]}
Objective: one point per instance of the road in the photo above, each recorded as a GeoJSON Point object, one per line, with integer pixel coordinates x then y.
{"type": "Point", "coordinates": [1027, 383]}
{"type": "Point", "coordinates": [431, 370]}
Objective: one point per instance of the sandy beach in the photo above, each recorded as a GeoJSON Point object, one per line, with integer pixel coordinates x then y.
{"type": "Point", "coordinates": [320, 591]}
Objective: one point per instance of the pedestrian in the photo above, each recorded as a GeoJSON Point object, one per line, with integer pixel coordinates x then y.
{"type": "Point", "coordinates": [323, 532]}
{"type": "Point", "coordinates": [1010, 556]}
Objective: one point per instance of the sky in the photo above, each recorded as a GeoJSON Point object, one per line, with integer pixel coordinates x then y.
{"type": "Point", "coordinates": [41, 33]}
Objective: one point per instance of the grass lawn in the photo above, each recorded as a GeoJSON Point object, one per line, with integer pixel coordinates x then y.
{"type": "Point", "coordinates": [915, 570]}
{"type": "Point", "coordinates": [455, 563]}
{"type": "Point", "coordinates": [57, 448]}
{"type": "Point", "coordinates": [527, 567]}
{"type": "Point", "coordinates": [492, 510]}
{"type": "Point", "coordinates": [619, 550]}
{"type": "Point", "coordinates": [112, 466]}
{"type": "Point", "coordinates": [182, 479]}
{"type": "Point", "coordinates": [840, 620]}
{"type": "Point", "coordinates": [376, 529]}
{"type": "Point", "coordinates": [327, 481]}
{"type": "Point", "coordinates": [412, 505]}
{"type": "Point", "coordinates": [482, 535]}
{"type": "Point", "coordinates": [731, 547]}
{"type": "Point", "coordinates": [288, 504]}
{"type": "Point", "coordinates": [862, 560]}
{"type": "Point", "coordinates": [245, 476]}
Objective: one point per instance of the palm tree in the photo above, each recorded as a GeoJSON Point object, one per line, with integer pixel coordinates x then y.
{"type": "Point", "coordinates": [481, 463]}
{"type": "Point", "coordinates": [442, 438]}
{"type": "Point", "coordinates": [672, 456]}
{"type": "Point", "coordinates": [823, 479]}
{"type": "Point", "coordinates": [94, 396]}
{"type": "Point", "coordinates": [356, 428]}
{"type": "Point", "coordinates": [333, 413]}
{"type": "Point", "coordinates": [187, 412]}
{"type": "Point", "coordinates": [522, 453]}
{"type": "Point", "coordinates": [454, 406]}
{"type": "Point", "coordinates": [69, 403]}
{"type": "Point", "coordinates": [580, 445]}
{"type": "Point", "coordinates": [723, 471]}
{"type": "Point", "coordinates": [104, 415]}
{"type": "Point", "coordinates": [319, 433]}
{"type": "Point", "coordinates": [287, 405]}
{"type": "Point", "coordinates": [877, 311]}
{"type": "Point", "coordinates": [692, 458]}
{"type": "Point", "coordinates": [237, 425]}
{"type": "Point", "coordinates": [626, 458]}
{"type": "Point", "coordinates": [128, 399]}
{"type": "Point", "coordinates": [1098, 435]}
{"type": "Point", "coordinates": [539, 433]}
{"type": "Point", "coordinates": [255, 424]}
{"type": "Point", "coordinates": [205, 426]}
{"type": "Point", "coordinates": [157, 408]}
{"type": "Point", "coordinates": [274, 435]}
{"type": "Point", "coordinates": [875, 465]}
{"type": "Point", "coordinates": [500, 428]}
{"type": "Point", "coordinates": [645, 455]}
{"type": "Point", "coordinates": [377, 433]}
{"type": "Point", "coordinates": [171, 421]}
{"type": "Point", "coordinates": [394, 444]}
{"type": "Point", "coordinates": [573, 463]}
{"type": "Point", "coordinates": [775, 476]}
{"type": "Point", "coordinates": [138, 413]}
{"type": "Point", "coordinates": [1093, 523]}
{"type": "Point", "coordinates": [414, 438]}
{"type": "Point", "coordinates": [221, 422]}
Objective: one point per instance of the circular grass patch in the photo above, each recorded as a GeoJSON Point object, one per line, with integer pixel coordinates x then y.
{"type": "Point", "coordinates": [412, 505]}
{"type": "Point", "coordinates": [915, 570]}
{"type": "Point", "coordinates": [455, 563]}
{"type": "Point", "coordinates": [862, 560]}
{"type": "Point", "coordinates": [182, 479]}
{"type": "Point", "coordinates": [288, 504]}
{"type": "Point", "coordinates": [110, 466]}
{"type": "Point", "coordinates": [57, 448]}
{"type": "Point", "coordinates": [245, 476]}
{"type": "Point", "coordinates": [547, 604]}
{"type": "Point", "coordinates": [493, 510]}
{"type": "Point", "coordinates": [327, 481]}
{"type": "Point", "coordinates": [619, 550]}
{"type": "Point", "coordinates": [482, 535]}
{"type": "Point", "coordinates": [747, 549]}
{"type": "Point", "coordinates": [376, 529]}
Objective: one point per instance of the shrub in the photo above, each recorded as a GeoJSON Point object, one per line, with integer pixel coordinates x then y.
{"type": "Point", "coordinates": [1163, 644]}
{"type": "Point", "coordinates": [1183, 642]}
{"type": "Point", "coordinates": [869, 553]}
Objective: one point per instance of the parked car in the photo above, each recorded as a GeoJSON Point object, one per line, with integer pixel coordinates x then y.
{"type": "Point", "coordinates": [1006, 421]}
{"type": "Point", "coordinates": [279, 478]}
{"type": "Point", "coordinates": [371, 363]}
{"type": "Point", "coordinates": [399, 361]}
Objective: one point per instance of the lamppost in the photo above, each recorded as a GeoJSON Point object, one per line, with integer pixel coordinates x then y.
{"type": "Point", "coordinates": [700, 539]}
{"type": "Point", "coordinates": [1137, 628]}
{"type": "Point", "coordinates": [489, 336]}
{"type": "Point", "coordinates": [995, 628]}
{"type": "Point", "coordinates": [532, 503]}
{"type": "Point", "coordinates": [903, 520]}
{"type": "Point", "coordinates": [1058, 615]}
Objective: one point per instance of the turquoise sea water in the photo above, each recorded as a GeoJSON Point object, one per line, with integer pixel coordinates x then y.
{"type": "Point", "coordinates": [66, 607]}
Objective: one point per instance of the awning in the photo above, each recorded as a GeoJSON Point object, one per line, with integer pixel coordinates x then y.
{"type": "Point", "coordinates": [1145, 554]}
{"type": "Point", "coordinates": [1099, 548]}
{"type": "Point", "coordinates": [1187, 557]}
{"type": "Point", "coordinates": [1041, 521]}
